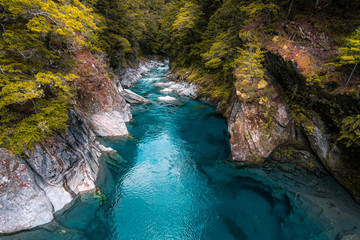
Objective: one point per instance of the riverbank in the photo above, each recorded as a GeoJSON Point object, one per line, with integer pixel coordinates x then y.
{"type": "Point", "coordinates": [173, 174]}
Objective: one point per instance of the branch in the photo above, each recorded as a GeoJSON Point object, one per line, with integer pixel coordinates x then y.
{"type": "Point", "coordinates": [44, 14]}
{"type": "Point", "coordinates": [2, 71]}
{"type": "Point", "coordinates": [352, 72]}
{"type": "Point", "coordinates": [290, 8]}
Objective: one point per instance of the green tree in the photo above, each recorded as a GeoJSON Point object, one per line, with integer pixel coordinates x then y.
{"type": "Point", "coordinates": [37, 40]}
{"type": "Point", "coordinates": [350, 53]}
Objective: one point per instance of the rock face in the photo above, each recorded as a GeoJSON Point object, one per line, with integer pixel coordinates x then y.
{"type": "Point", "coordinates": [109, 124]}
{"type": "Point", "coordinates": [129, 76]}
{"type": "Point", "coordinates": [343, 165]}
{"type": "Point", "coordinates": [23, 204]}
{"type": "Point", "coordinates": [255, 131]}
{"type": "Point", "coordinates": [35, 187]}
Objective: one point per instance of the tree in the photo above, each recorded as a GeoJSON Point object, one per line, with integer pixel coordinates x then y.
{"type": "Point", "coordinates": [38, 38]}
{"type": "Point", "coordinates": [350, 53]}
{"type": "Point", "coordinates": [249, 72]}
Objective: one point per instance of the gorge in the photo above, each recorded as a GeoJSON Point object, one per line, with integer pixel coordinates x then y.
{"type": "Point", "coordinates": [169, 180]}
{"type": "Point", "coordinates": [180, 119]}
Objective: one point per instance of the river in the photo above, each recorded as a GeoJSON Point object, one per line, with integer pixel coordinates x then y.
{"type": "Point", "coordinates": [171, 180]}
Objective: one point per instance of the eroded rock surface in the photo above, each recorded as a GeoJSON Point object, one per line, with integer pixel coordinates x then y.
{"type": "Point", "coordinates": [23, 204]}
{"type": "Point", "coordinates": [256, 131]}
{"type": "Point", "coordinates": [109, 124]}
{"type": "Point", "coordinates": [35, 187]}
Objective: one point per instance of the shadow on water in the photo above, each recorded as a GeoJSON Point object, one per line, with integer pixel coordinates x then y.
{"type": "Point", "coordinates": [236, 231]}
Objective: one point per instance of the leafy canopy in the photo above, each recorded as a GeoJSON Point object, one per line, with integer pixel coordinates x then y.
{"type": "Point", "coordinates": [37, 40]}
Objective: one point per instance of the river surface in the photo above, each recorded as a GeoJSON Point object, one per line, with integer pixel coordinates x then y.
{"type": "Point", "coordinates": [171, 181]}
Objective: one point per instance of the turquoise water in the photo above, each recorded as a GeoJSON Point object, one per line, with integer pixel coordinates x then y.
{"type": "Point", "coordinates": [171, 182]}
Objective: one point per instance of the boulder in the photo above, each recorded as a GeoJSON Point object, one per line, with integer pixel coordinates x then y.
{"type": "Point", "coordinates": [109, 124]}
{"type": "Point", "coordinates": [167, 99]}
{"type": "Point", "coordinates": [133, 98]}
{"type": "Point", "coordinates": [166, 90]}
{"type": "Point", "coordinates": [162, 84]}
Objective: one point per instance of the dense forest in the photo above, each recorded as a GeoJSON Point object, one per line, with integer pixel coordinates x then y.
{"type": "Point", "coordinates": [221, 45]}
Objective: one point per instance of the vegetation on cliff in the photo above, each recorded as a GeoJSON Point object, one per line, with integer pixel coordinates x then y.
{"type": "Point", "coordinates": [219, 44]}
{"type": "Point", "coordinates": [223, 51]}
{"type": "Point", "coordinates": [37, 42]}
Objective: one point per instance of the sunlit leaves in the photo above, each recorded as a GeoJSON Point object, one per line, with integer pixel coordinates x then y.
{"type": "Point", "coordinates": [34, 92]}
{"type": "Point", "coordinates": [350, 53]}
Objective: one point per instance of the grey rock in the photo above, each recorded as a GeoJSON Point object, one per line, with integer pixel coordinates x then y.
{"type": "Point", "coordinates": [23, 204]}
{"type": "Point", "coordinates": [133, 98]}
{"type": "Point", "coordinates": [109, 124]}
{"type": "Point", "coordinates": [167, 99]}
{"type": "Point", "coordinates": [129, 76]}
{"type": "Point", "coordinates": [162, 84]}
{"type": "Point", "coordinates": [33, 188]}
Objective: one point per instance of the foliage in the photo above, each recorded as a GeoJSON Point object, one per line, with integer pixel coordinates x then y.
{"type": "Point", "coordinates": [249, 71]}
{"type": "Point", "coordinates": [350, 52]}
{"type": "Point", "coordinates": [131, 28]}
{"type": "Point", "coordinates": [37, 41]}
{"type": "Point", "coordinates": [350, 131]}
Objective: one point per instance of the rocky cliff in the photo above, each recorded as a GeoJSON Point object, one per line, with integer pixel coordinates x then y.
{"type": "Point", "coordinates": [42, 181]}
{"type": "Point", "coordinates": [274, 123]}
{"type": "Point", "coordinates": [257, 130]}
{"type": "Point", "coordinates": [45, 179]}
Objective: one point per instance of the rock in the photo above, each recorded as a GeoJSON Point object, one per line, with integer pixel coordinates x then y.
{"type": "Point", "coordinates": [109, 124]}
{"type": "Point", "coordinates": [33, 188]}
{"type": "Point", "coordinates": [348, 236]}
{"type": "Point", "coordinates": [167, 90]}
{"type": "Point", "coordinates": [184, 89]}
{"type": "Point", "coordinates": [133, 98]}
{"type": "Point", "coordinates": [340, 163]}
{"type": "Point", "coordinates": [256, 131]}
{"type": "Point", "coordinates": [129, 76]}
{"type": "Point", "coordinates": [124, 110]}
{"type": "Point", "coordinates": [162, 84]}
{"type": "Point", "coordinates": [167, 99]}
{"type": "Point", "coordinates": [24, 204]}
{"type": "Point", "coordinates": [104, 149]}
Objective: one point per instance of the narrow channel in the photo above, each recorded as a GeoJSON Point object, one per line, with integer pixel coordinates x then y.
{"type": "Point", "coordinates": [171, 181]}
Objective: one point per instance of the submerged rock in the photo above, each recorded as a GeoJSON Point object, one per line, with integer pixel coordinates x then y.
{"type": "Point", "coordinates": [132, 97]}
{"type": "Point", "coordinates": [109, 124]}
